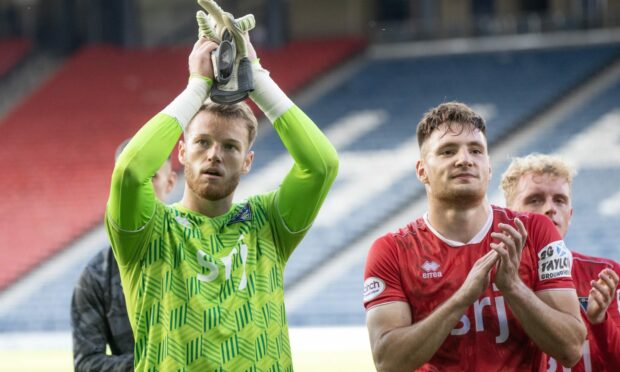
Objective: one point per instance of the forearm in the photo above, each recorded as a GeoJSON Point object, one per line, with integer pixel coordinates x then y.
{"type": "Point", "coordinates": [102, 362]}
{"type": "Point", "coordinates": [407, 348]}
{"type": "Point", "coordinates": [132, 199]}
{"type": "Point", "coordinates": [316, 160]}
{"type": "Point", "coordinates": [89, 348]}
{"type": "Point", "coordinates": [313, 173]}
{"type": "Point", "coordinates": [559, 334]}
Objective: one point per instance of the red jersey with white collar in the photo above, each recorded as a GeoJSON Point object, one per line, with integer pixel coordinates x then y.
{"type": "Point", "coordinates": [416, 266]}
{"type": "Point", "coordinates": [601, 350]}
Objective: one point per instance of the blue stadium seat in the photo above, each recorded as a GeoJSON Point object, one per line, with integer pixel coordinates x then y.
{"type": "Point", "coordinates": [512, 86]}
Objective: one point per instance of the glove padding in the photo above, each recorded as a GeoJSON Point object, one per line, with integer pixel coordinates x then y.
{"type": "Point", "coordinates": [231, 65]}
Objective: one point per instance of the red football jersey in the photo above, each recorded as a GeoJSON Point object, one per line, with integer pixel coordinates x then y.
{"type": "Point", "coordinates": [601, 351]}
{"type": "Point", "coordinates": [417, 266]}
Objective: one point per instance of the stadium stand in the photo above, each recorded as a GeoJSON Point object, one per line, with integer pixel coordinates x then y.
{"type": "Point", "coordinates": [12, 51]}
{"type": "Point", "coordinates": [589, 136]}
{"type": "Point", "coordinates": [406, 88]}
{"type": "Point", "coordinates": [60, 144]}
{"type": "Point", "coordinates": [397, 91]}
{"type": "Point", "coordinates": [66, 132]}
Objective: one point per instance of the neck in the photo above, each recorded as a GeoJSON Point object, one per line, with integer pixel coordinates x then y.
{"type": "Point", "coordinates": [459, 223]}
{"type": "Point", "coordinates": [209, 208]}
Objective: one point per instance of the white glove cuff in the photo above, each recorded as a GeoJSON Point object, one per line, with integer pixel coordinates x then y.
{"type": "Point", "coordinates": [187, 104]}
{"type": "Point", "coordinates": [267, 94]}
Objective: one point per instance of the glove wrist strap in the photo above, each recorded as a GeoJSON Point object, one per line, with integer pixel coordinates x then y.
{"type": "Point", "coordinates": [186, 105]}
{"type": "Point", "coordinates": [267, 94]}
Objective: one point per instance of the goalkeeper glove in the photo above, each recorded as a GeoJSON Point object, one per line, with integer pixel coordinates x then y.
{"type": "Point", "coordinates": [231, 65]}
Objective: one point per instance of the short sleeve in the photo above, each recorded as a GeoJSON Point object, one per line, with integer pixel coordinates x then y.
{"type": "Point", "coordinates": [553, 261]}
{"type": "Point", "coordinates": [382, 280]}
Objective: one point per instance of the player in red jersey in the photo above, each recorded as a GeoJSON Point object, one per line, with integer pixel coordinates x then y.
{"type": "Point", "coordinates": [468, 286]}
{"type": "Point", "coordinates": [542, 184]}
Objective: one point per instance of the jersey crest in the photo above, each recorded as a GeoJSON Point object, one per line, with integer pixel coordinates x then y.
{"type": "Point", "coordinates": [244, 214]}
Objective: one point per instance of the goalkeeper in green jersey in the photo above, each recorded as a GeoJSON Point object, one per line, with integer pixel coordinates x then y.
{"type": "Point", "coordinates": [203, 277]}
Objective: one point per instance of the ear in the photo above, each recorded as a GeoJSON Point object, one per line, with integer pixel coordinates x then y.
{"type": "Point", "coordinates": [247, 163]}
{"type": "Point", "coordinates": [172, 180]}
{"type": "Point", "coordinates": [181, 155]}
{"type": "Point", "coordinates": [421, 172]}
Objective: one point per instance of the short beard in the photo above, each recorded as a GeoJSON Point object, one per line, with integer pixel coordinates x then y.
{"type": "Point", "coordinates": [210, 192]}
{"type": "Point", "coordinates": [462, 199]}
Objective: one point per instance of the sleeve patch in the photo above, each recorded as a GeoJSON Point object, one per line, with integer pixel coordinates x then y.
{"type": "Point", "coordinates": [554, 261]}
{"type": "Point", "coordinates": [373, 287]}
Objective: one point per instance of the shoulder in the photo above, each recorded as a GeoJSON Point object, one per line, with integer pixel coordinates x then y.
{"type": "Point", "coordinates": [259, 202]}
{"type": "Point", "coordinates": [580, 259]}
{"type": "Point", "coordinates": [405, 237]}
{"type": "Point", "coordinates": [94, 274]}
{"type": "Point", "coordinates": [535, 224]}
{"type": "Point", "coordinates": [505, 215]}
{"type": "Point", "coordinates": [97, 265]}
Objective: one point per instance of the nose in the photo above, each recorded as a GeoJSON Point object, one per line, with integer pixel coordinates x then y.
{"type": "Point", "coordinates": [214, 153]}
{"type": "Point", "coordinates": [463, 159]}
{"type": "Point", "coordinates": [550, 209]}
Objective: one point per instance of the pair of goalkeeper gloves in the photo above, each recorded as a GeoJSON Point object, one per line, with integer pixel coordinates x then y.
{"type": "Point", "coordinates": [231, 65]}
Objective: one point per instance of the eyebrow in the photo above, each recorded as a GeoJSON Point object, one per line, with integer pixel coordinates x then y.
{"type": "Point", "coordinates": [541, 193]}
{"type": "Point", "coordinates": [232, 140]}
{"type": "Point", "coordinates": [533, 194]}
{"type": "Point", "coordinates": [469, 144]}
{"type": "Point", "coordinates": [206, 135]}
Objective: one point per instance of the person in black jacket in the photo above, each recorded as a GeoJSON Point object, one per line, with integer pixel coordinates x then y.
{"type": "Point", "coordinates": [98, 311]}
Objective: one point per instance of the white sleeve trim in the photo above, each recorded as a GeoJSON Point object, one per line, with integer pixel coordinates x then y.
{"type": "Point", "coordinates": [556, 289]}
{"type": "Point", "coordinates": [385, 303]}
{"type": "Point", "coordinates": [268, 96]}
{"type": "Point", "coordinates": [187, 104]}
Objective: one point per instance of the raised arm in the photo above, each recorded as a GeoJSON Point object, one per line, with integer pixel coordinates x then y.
{"type": "Point", "coordinates": [305, 187]}
{"type": "Point", "coordinates": [398, 345]}
{"type": "Point", "coordinates": [314, 171]}
{"type": "Point", "coordinates": [132, 200]}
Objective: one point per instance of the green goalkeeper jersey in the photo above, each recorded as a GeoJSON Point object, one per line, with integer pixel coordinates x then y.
{"type": "Point", "coordinates": [206, 294]}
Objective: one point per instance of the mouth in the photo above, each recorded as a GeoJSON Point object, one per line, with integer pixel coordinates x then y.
{"type": "Point", "coordinates": [212, 173]}
{"type": "Point", "coordinates": [464, 176]}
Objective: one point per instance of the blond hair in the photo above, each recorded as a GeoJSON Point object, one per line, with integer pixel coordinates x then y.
{"type": "Point", "coordinates": [537, 164]}
{"type": "Point", "coordinates": [239, 110]}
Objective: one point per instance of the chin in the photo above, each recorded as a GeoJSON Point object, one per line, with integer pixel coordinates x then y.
{"type": "Point", "coordinates": [214, 195]}
{"type": "Point", "coordinates": [217, 192]}
{"type": "Point", "coordinates": [463, 197]}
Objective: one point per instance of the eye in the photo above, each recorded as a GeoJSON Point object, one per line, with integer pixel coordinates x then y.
{"type": "Point", "coordinates": [231, 146]}
{"type": "Point", "coordinates": [534, 201]}
{"type": "Point", "coordinates": [476, 151]}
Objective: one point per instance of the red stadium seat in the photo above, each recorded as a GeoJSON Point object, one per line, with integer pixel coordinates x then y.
{"type": "Point", "coordinates": [58, 145]}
